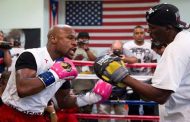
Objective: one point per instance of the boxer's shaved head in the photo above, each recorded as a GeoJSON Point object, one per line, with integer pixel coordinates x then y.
{"type": "Point", "coordinates": [55, 30]}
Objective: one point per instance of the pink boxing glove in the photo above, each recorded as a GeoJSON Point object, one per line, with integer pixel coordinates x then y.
{"type": "Point", "coordinates": [103, 89]}
{"type": "Point", "coordinates": [65, 70]}
{"type": "Point", "coordinates": [100, 93]}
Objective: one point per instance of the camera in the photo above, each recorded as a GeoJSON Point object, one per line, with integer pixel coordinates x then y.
{"type": "Point", "coordinates": [5, 45]}
{"type": "Point", "coordinates": [81, 41]}
{"type": "Point", "coordinates": [117, 52]}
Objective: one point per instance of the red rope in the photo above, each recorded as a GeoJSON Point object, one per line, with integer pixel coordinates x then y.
{"type": "Point", "coordinates": [135, 65]}
{"type": "Point", "coordinates": [118, 117]}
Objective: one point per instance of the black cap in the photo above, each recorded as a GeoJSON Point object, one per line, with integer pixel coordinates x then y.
{"type": "Point", "coordinates": [165, 14]}
{"type": "Point", "coordinates": [83, 35]}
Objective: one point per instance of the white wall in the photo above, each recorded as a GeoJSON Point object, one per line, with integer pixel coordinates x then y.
{"type": "Point", "coordinates": [45, 27]}
{"type": "Point", "coordinates": [35, 14]}
{"type": "Point", "coordinates": [22, 14]}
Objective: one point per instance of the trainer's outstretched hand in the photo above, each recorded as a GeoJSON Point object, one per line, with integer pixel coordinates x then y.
{"type": "Point", "coordinates": [111, 69]}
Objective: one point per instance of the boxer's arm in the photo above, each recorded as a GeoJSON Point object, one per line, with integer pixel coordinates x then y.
{"type": "Point", "coordinates": [65, 99]}
{"type": "Point", "coordinates": [26, 81]}
{"type": "Point", "coordinates": [100, 93]}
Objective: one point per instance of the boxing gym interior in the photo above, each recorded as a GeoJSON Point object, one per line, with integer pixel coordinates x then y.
{"type": "Point", "coordinates": [107, 48]}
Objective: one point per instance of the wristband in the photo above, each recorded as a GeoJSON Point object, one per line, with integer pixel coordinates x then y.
{"type": "Point", "coordinates": [47, 78]}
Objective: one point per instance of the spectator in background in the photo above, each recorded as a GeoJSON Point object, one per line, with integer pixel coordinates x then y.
{"type": "Point", "coordinates": [117, 49]}
{"type": "Point", "coordinates": [117, 92]}
{"type": "Point", "coordinates": [84, 53]}
{"type": "Point", "coordinates": [5, 57]}
{"type": "Point", "coordinates": [18, 36]}
{"type": "Point", "coordinates": [15, 51]}
{"type": "Point", "coordinates": [126, 56]}
{"type": "Point", "coordinates": [141, 49]}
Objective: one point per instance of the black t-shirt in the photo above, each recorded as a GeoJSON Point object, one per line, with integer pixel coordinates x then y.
{"type": "Point", "coordinates": [27, 60]}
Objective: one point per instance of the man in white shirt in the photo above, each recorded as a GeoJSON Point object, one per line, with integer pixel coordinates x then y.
{"type": "Point", "coordinates": [171, 80]}
{"type": "Point", "coordinates": [141, 49]}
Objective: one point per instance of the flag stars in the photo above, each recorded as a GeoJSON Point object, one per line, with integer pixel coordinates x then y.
{"type": "Point", "coordinates": [83, 13]}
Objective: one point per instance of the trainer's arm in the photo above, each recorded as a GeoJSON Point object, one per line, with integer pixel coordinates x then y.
{"type": "Point", "coordinates": [147, 90]}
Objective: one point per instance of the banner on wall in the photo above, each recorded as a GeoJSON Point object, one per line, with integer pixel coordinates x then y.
{"type": "Point", "coordinates": [53, 12]}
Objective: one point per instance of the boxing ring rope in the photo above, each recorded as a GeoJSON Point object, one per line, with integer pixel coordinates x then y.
{"type": "Point", "coordinates": [117, 117]}
{"type": "Point", "coordinates": [134, 102]}
{"type": "Point", "coordinates": [93, 76]}
{"type": "Point", "coordinates": [130, 102]}
{"type": "Point", "coordinates": [134, 65]}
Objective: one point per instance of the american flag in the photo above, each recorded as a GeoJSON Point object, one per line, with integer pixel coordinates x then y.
{"type": "Point", "coordinates": [108, 20]}
{"type": "Point", "coordinates": [53, 12]}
